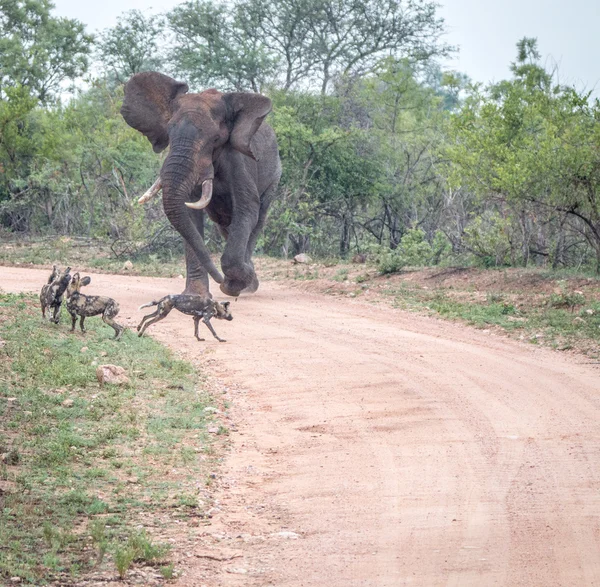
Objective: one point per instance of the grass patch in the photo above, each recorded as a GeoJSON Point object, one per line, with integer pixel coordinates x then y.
{"type": "Point", "coordinates": [83, 465]}
{"type": "Point", "coordinates": [561, 320]}
{"type": "Point", "coordinates": [89, 255]}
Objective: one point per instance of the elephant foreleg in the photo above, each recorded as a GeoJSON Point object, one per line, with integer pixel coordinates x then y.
{"type": "Point", "coordinates": [239, 273]}
{"type": "Point", "coordinates": [265, 202]}
{"type": "Point", "coordinates": [196, 275]}
{"type": "Point", "coordinates": [256, 231]}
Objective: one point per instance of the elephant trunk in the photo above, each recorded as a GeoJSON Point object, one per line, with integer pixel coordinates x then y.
{"type": "Point", "coordinates": [179, 177]}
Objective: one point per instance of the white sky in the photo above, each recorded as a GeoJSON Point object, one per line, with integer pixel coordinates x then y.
{"type": "Point", "coordinates": [486, 32]}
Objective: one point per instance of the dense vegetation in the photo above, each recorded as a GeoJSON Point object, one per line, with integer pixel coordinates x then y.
{"type": "Point", "coordinates": [383, 152]}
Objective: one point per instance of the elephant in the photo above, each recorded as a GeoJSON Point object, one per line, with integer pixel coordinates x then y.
{"type": "Point", "coordinates": [222, 160]}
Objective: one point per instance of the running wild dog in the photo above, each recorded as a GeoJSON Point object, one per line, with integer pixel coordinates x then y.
{"type": "Point", "coordinates": [200, 308]}
{"type": "Point", "coordinates": [79, 304]}
{"type": "Point", "coordinates": [51, 296]}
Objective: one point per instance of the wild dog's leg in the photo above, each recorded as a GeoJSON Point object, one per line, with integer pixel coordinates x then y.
{"type": "Point", "coordinates": [161, 312]}
{"type": "Point", "coordinates": [196, 322]}
{"type": "Point", "coordinates": [149, 323]}
{"type": "Point", "coordinates": [108, 319]}
{"type": "Point", "coordinates": [147, 317]}
{"type": "Point", "coordinates": [74, 321]}
{"type": "Point", "coordinates": [56, 318]}
{"type": "Point", "coordinates": [206, 321]}
{"type": "Point", "coordinates": [81, 324]}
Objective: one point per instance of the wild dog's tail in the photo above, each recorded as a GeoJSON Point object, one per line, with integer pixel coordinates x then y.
{"type": "Point", "coordinates": [148, 305]}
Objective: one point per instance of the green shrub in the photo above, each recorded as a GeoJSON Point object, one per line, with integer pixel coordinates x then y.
{"type": "Point", "coordinates": [566, 299]}
{"type": "Point", "coordinates": [413, 250]}
{"type": "Point", "coordinates": [123, 559]}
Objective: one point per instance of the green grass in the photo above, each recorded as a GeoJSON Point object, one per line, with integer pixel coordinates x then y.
{"type": "Point", "coordinates": [341, 275]}
{"type": "Point", "coordinates": [561, 320]}
{"type": "Point", "coordinates": [84, 464]}
{"type": "Point", "coordinates": [92, 256]}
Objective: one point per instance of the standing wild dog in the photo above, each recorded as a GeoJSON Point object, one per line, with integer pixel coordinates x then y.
{"type": "Point", "coordinates": [51, 296]}
{"type": "Point", "coordinates": [193, 305]}
{"type": "Point", "coordinates": [79, 304]}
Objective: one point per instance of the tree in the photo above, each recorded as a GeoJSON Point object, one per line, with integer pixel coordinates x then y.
{"type": "Point", "coordinates": [38, 51]}
{"type": "Point", "coordinates": [532, 147]}
{"type": "Point", "coordinates": [216, 46]}
{"type": "Point", "coordinates": [317, 40]}
{"type": "Point", "coordinates": [300, 43]}
{"type": "Point", "coordinates": [132, 45]}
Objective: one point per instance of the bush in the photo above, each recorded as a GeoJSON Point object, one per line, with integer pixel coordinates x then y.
{"type": "Point", "coordinates": [413, 250]}
{"type": "Point", "coordinates": [388, 260]}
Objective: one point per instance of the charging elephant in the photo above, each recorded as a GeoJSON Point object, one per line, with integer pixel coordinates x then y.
{"type": "Point", "coordinates": [222, 159]}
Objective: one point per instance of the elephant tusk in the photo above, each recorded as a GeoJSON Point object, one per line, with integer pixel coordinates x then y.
{"type": "Point", "coordinates": [156, 187]}
{"type": "Point", "coordinates": [207, 190]}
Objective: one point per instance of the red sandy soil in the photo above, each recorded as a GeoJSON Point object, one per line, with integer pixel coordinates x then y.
{"type": "Point", "coordinates": [373, 447]}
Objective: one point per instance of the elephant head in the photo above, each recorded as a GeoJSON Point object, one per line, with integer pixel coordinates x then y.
{"type": "Point", "coordinates": [196, 127]}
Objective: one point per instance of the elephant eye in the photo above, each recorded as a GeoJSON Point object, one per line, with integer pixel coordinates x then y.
{"type": "Point", "coordinates": [217, 139]}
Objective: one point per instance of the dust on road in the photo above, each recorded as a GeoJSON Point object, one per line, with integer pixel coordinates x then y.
{"type": "Point", "coordinates": [377, 448]}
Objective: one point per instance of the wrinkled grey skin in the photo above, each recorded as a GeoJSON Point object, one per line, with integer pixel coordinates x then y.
{"type": "Point", "coordinates": [211, 135]}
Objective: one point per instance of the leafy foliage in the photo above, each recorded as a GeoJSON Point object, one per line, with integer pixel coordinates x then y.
{"type": "Point", "coordinates": [378, 143]}
{"type": "Point", "coordinates": [131, 46]}
{"type": "Point", "coordinates": [39, 51]}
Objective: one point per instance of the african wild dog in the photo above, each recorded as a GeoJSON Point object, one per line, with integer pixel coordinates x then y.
{"type": "Point", "coordinates": [197, 306]}
{"type": "Point", "coordinates": [79, 304]}
{"type": "Point", "coordinates": [52, 292]}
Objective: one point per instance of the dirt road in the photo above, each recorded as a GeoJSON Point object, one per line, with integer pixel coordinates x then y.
{"type": "Point", "coordinates": [378, 448]}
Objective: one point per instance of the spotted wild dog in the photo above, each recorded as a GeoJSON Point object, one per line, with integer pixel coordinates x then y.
{"type": "Point", "coordinates": [79, 304]}
{"type": "Point", "coordinates": [193, 305]}
{"type": "Point", "coordinates": [51, 296]}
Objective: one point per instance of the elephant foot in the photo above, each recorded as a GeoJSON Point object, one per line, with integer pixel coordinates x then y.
{"type": "Point", "coordinates": [233, 288]}
{"type": "Point", "coordinates": [253, 286]}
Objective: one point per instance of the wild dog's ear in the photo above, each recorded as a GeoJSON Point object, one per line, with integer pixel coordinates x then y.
{"type": "Point", "coordinates": [54, 274]}
{"type": "Point", "coordinates": [86, 280]}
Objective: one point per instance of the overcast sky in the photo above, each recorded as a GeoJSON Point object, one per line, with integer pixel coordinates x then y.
{"type": "Point", "coordinates": [485, 32]}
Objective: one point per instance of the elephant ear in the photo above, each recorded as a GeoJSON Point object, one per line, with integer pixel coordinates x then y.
{"type": "Point", "coordinates": [148, 105]}
{"type": "Point", "coordinates": [247, 112]}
